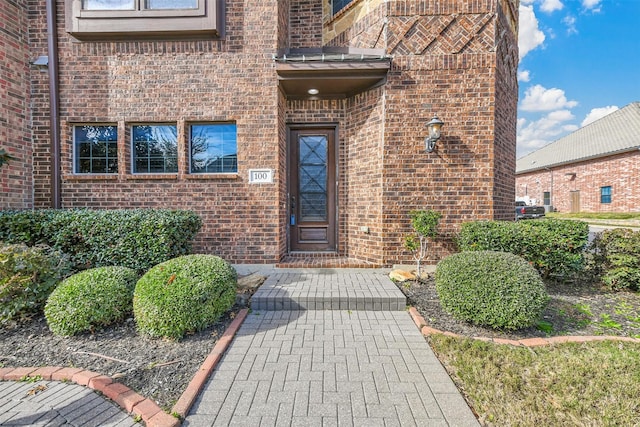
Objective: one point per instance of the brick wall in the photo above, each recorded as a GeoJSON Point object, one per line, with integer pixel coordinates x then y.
{"type": "Point", "coordinates": [305, 24]}
{"type": "Point", "coordinates": [444, 63]}
{"type": "Point", "coordinates": [15, 132]}
{"type": "Point", "coordinates": [180, 82]}
{"type": "Point", "coordinates": [621, 172]}
{"type": "Point", "coordinates": [506, 105]}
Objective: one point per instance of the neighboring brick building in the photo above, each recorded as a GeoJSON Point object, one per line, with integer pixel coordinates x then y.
{"type": "Point", "coordinates": [179, 108]}
{"type": "Point", "coordinates": [594, 169]}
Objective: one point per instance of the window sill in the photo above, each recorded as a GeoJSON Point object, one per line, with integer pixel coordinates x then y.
{"type": "Point", "coordinates": [151, 176]}
{"type": "Point", "coordinates": [210, 176]}
{"type": "Point", "coordinates": [91, 177]}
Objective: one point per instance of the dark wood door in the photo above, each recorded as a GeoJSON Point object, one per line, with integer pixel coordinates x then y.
{"type": "Point", "coordinates": [312, 189]}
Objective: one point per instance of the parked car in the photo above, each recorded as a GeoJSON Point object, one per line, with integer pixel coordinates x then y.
{"type": "Point", "coordinates": [524, 211]}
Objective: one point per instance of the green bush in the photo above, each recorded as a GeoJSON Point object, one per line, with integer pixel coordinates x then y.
{"type": "Point", "coordinates": [183, 295]}
{"type": "Point", "coordinates": [90, 299]}
{"type": "Point", "coordinates": [553, 246]}
{"type": "Point", "coordinates": [495, 289]}
{"type": "Point", "coordinates": [617, 257]}
{"type": "Point", "coordinates": [137, 238]}
{"type": "Point", "coordinates": [25, 226]}
{"type": "Point", "coordinates": [27, 277]}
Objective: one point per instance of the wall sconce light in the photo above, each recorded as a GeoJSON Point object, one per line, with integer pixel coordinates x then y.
{"type": "Point", "coordinates": [434, 126]}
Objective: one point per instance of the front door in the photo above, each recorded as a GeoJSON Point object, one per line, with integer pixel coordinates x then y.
{"type": "Point", "coordinates": [312, 189]}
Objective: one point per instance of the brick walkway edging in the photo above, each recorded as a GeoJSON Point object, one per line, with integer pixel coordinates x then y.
{"type": "Point", "coordinates": [130, 401]}
{"type": "Point", "coordinates": [529, 342]}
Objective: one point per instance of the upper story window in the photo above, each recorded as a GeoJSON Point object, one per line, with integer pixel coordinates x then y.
{"type": "Point", "coordinates": [95, 149]}
{"type": "Point", "coordinates": [338, 5]}
{"type": "Point", "coordinates": [155, 148]}
{"type": "Point", "coordinates": [213, 148]}
{"type": "Point", "coordinates": [102, 19]}
{"type": "Point", "coordinates": [135, 5]}
{"type": "Point", "coordinates": [605, 194]}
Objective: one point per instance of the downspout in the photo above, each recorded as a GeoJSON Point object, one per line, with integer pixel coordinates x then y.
{"type": "Point", "coordinates": [54, 103]}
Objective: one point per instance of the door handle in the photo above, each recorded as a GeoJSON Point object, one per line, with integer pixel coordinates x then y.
{"type": "Point", "coordinates": [292, 217]}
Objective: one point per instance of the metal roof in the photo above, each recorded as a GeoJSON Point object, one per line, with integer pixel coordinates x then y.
{"type": "Point", "coordinates": [615, 133]}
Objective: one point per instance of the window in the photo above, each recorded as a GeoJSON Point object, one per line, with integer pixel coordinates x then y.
{"type": "Point", "coordinates": [213, 148]}
{"type": "Point", "coordinates": [95, 149]}
{"type": "Point", "coordinates": [100, 19]}
{"type": "Point", "coordinates": [132, 4]}
{"type": "Point", "coordinates": [546, 197]}
{"type": "Point", "coordinates": [338, 5]}
{"type": "Point", "coordinates": [605, 194]}
{"type": "Point", "coordinates": [155, 148]}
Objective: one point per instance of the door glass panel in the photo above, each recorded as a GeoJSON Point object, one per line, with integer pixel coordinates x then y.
{"type": "Point", "coordinates": [312, 173]}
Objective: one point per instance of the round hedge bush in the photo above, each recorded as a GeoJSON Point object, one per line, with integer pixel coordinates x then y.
{"type": "Point", "coordinates": [183, 295]}
{"type": "Point", "coordinates": [495, 289]}
{"type": "Point", "coordinates": [92, 298]}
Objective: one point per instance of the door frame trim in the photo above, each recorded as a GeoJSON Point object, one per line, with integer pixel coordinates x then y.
{"type": "Point", "coordinates": [308, 126]}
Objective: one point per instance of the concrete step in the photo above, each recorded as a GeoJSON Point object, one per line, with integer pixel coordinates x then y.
{"type": "Point", "coordinates": [328, 289]}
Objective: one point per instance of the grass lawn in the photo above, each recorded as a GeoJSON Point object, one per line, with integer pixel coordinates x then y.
{"type": "Point", "coordinates": [596, 215]}
{"type": "Point", "coordinates": [590, 384]}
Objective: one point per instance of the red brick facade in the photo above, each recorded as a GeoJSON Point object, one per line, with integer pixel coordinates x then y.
{"type": "Point", "coordinates": [16, 187]}
{"type": "Point", "coordinates": [577, 187]}
{"type": "Point", "coordinates": [454, 59]}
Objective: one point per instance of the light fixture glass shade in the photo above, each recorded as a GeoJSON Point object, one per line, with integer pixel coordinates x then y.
{"type": "Point", "coordinates": [434, 126]}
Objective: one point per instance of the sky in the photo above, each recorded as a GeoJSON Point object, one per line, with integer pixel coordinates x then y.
{"type": "Point", "coordinates": [579, 61]}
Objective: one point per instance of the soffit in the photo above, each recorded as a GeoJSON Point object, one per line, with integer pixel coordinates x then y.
{"type": "Point", "coordinates": [334, 74]}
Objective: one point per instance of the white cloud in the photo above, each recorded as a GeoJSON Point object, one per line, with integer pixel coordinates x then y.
{"type": "Point", "coordinates": [551, 5]}
{"type": "Point", "coordinates": [524, 76]}
{"type": "Point", "coordinates": [592, 5]}
{"type": "Point", "coordinates": [598, 113]}
{"type": "Point", "coordinates": [539, 98]}
{"type": "Point", "coordinates": [535, 134]}
{"type": "Point", "coordinates": [530, 36]}
{"type": "Point", "coordinates": [570, 22]}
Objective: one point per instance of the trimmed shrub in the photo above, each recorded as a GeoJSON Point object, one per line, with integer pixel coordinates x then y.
{"type": "Point", "coordinates": [24, 226]}
{"type": "Point", "coordinates": [183, 295]}
{"type": "Point", "coordinates": [617, 257]}
{"type": "Point", "coordinates": [553, 246]}
{"type": "Point", "coordinates": [90, 299]}
{"type": "Point", "coordinates": [27, 277]}
{"type": "Point", "coordinates": [137, 238]}
{"type": "Point", "coordinates": [495, 289]}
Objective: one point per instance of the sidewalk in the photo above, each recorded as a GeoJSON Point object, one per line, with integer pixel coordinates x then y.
{"type": "Point", "coordinates": [330, 367]}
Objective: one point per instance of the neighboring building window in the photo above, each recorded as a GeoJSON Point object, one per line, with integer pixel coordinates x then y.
{"type": "Point", "coordinates": [124, 19]}
{"type": "Point", "coordinates": [155, 148]}
{"type": "Point", "coordinates": [546, 197]}
{"type": "Point", "coordinates": [213, 148]}
{"type": "Point", "coordinates": [96, 149]}
{"type": "Point", "coordinates": [338, 5]}
{"type": "Point", "coordinates": [605, 194]}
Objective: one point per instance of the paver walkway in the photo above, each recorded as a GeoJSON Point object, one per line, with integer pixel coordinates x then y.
{"type": "Point", "coordinates": [53, 403]}
{"type": "Point", "coordinates": [329, 367]}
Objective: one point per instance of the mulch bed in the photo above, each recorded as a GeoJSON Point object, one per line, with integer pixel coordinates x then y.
{"type": "Point", "coordinates": [155, 368]}
{"type": "Point", "coordinates": [575, 308]}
